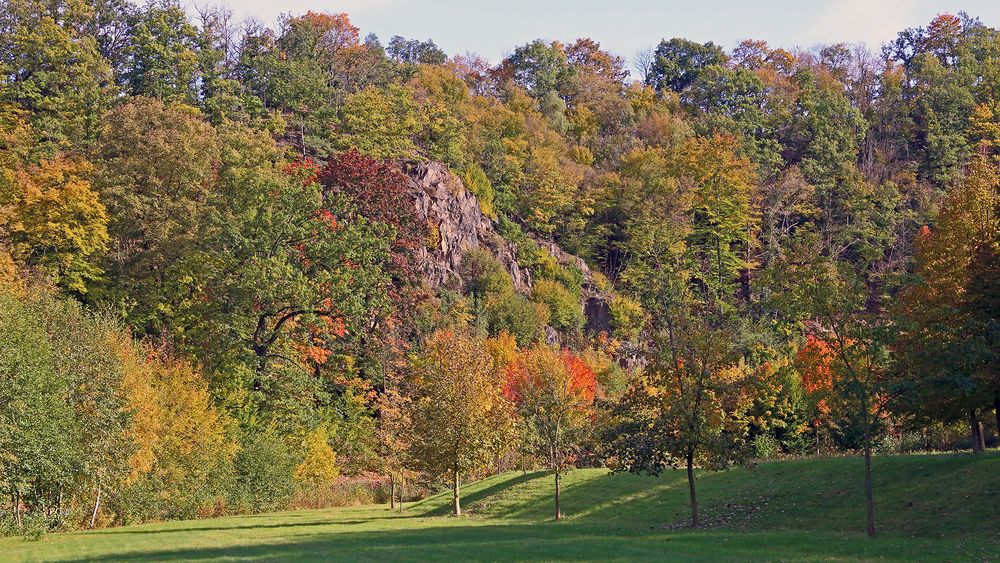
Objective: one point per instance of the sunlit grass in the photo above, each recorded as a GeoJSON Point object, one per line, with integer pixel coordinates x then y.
{"type": "Point", "coordinates": [941, 507]}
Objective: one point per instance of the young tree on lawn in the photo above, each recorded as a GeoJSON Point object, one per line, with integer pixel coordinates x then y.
{"type": "Point", "coordinates": [834, 303]}
{"type": "Point", "coordinates": [554, 392]}
{"type": "Point", "coordinates": [460, 408]}
{"type": "Point", "coordinates": [392, 431]}
{"type": "Point", "coordinates": [688, 408]}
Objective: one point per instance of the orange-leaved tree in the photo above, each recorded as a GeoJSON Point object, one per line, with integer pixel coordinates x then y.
{"type": "Point", "coordinates": [554, 391]}
{"type": "Point", "coordinates": [814, 363]}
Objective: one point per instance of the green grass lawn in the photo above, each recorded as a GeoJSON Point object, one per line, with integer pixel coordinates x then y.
{"type": "Point", "coordinates": [928, 507]}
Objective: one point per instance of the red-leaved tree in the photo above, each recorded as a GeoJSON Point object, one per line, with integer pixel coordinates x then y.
{"type": "Point", "coordinates": [814, 362]}
{"type": "Point", "coordinates": [554, 391]}
{"type": "Point", "coordinates": [378, 191]}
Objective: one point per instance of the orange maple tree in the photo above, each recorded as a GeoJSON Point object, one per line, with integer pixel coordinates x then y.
{"type": "Point", "coordinates": [554, 390]}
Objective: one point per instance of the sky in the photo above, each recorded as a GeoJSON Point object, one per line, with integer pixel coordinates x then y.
{"type": "Point", "coordinates": [494, 28]}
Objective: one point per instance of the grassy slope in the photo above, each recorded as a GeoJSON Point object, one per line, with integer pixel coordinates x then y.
{"type": "Point", "coordinates": [933, 507]}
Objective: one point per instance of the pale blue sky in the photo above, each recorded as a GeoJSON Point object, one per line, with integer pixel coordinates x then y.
{"type": "Point", "coordinates": [492, 29]}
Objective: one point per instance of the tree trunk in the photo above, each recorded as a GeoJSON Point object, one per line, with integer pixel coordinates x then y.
{"type": "Point", "coordinates": [302, 137]}
{"type": "Point", "coordinates": [869, 497]}
{"type": "Point", "coordinates": [996, 412]}
{"type": "Point", "coordinates": [695, 522]}
{"type": "Point", "coordinates": [558, 510]}
{"type": "Point", "coordinates": [97, 506]}
{"type": "Point", "coordinates": [392, 490]}
{"type": "Point", "coordinates": [402, 483]}
{"type": "Point", "coordinates": [456, 492]}
{"type": "Point", "coordinates": [977, 431]}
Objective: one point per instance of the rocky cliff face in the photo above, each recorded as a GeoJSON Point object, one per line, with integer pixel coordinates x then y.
{"type": "Point", "coordinates": [457, 224]}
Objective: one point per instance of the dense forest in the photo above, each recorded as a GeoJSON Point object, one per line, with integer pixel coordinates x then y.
{"type": "Point", "coordinates": [219, 293]}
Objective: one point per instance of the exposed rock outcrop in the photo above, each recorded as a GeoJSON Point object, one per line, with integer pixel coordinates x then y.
{"type": "Point", "coordinates": [457, 224]}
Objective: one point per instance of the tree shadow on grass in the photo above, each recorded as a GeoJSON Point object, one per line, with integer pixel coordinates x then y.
{"type": "Point", "coordinates": [318, 522]}
{"type": "Point", "coordinates": [429, 506]}
{"type": "Point", "coordinates": [548, 541]}
{"type": "Point", "coordinates": [602, 499]}
{"type": "Point", "coordinates": [435, 543]}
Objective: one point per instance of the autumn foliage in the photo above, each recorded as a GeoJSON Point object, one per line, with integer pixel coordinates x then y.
{"type": "Point", "coordinates": [377, 190]}
{"type": "Point", "coordinates": [814, 361]}
{"type": "Point", "coordinates": [572, 378]}
{"type": "Point", "coordinates": [222, 288]}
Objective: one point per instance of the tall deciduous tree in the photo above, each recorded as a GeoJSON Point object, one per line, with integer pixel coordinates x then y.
{"type": "Point", "coordinates": [379, 123]}
{"type": "Point", "coordinates": [154, 172]}
{"type": "Point", "coordinates": [55, 72]}
{"type": "Point", "coordinates": [163, 52]}
{"type": "Point", "coordinates": [945, 345]}
{"type": "Point", "coordinates": [36, 420]}
{"type": "Point", "coordinates": [299, 273]}
{"type": "Point", "coordinates": [678, 62]}
{"type": "Point", "coordinates": [57, 222]}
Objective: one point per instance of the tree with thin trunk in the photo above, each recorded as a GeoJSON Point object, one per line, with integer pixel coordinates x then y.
{"type": "Point", "coordinates": [554, 391]}
{"type": "Point", "coordinates": [393, 431]}
{"type": "Point", "coordinates": [460, 409]}
{"type": "Point", "coordinates": [834, 302]}
{"type": "Point", "coordinates": [688, 409]}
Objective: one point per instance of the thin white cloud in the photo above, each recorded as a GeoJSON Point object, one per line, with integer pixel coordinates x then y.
{"type": "Point", "coordinates": [870, 21]}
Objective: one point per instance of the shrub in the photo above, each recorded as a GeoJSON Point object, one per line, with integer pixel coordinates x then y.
{"type": "Point", "coordinates": [501, 307]}
{"type": "Point", "coordinates": [529, 254]}
{"type": "Point", "coordinates": [32, 527]}
{"type": "Point", "coordinates": [264, 466]}
{"type": "Point", "coordinates": [765, 446]}
{"type": "Point", "coordinates": [565, 312]}
{"type": "Point", "coordinates": [319, 466]}
{"type": "Point", "coordinates": [570, 276]}
{"type": "Point", "coordinates": [336, 494]}
{"type": "Point", "coordinates": [35, 526]}
{"type": "Point", "coordinates": [433, 240]}
{"type": "Point", "coordinates": [600, 281]}
{"type": "Point", "coordinates": [475, 181]}
{"type": "Point", "coordinates": [627, 317]}
{"type": "Point", "coordinates": [894, 443]}
{"type": "Point", "coordinates": [136, 502]}
{"type": "Point", "coordinates": [524, 320]}
{"type": "Point", "coordinates": [542, 263]}
{"type": "Point", "coordinates": [484, 275]}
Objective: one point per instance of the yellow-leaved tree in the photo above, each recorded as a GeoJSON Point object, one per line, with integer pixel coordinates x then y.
{"type": "Point", "coordinates": [182, 445]}
{"type": "Point", "coordinates": [319, 465]}
{"type": "Point", "coordinates": [461, 414]}
{"type": "Point", "coordinates": [57, 222]}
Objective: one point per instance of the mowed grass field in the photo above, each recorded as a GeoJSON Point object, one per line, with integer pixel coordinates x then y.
{"type": "Point", "coordinates": [943, 507]}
